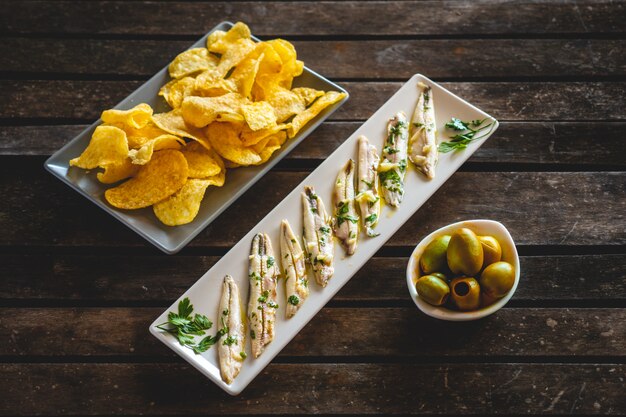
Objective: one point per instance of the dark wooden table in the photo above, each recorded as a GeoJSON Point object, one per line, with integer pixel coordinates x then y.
{"type": "Point", "coordinates": [78, 290]}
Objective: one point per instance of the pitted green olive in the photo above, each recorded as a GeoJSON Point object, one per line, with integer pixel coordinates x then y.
{"type": "Point", "coordinates": [491, 250]}
{"type": "Point", "coordinates": [434, 256]}
{"type": "Point", "coordinates": [465, 252]}
{"type": "Point", "coordinates": [465, 293]}
{"type": "Point", "coordinates": [497, 279]}
{"type": "Point", "coordinates": [432, 289]}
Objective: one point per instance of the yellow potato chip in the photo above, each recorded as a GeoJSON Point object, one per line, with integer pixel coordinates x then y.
{"type": "Point", "coordinates": [308, 95]}
{"type": "Point", "coordinates": [172, 122]}
{"type": "Point", "coordinates": [182, 207]}
{"type": "Point", "coordinates": [211, 84]}
{"type": "Point", "coordinates": [320, 104]}
{"type": "Point", "coordinates": [259, 115]}
{"type": "Point", "coordinates": [143, 155]}
{"type": "Point", "coordinates": [191, 61]}
{"type": "Point", "coordinates": [285, 103]}
{"type": "Point", "coordinates": [273, 144]}
{"type": "Point", "coordinates": [176, 90]}
{"type": "Point", "coordinates": [108, 145]}
{"type": "Point", "coordinates": [137, 117]}
{"type": "Point", "coordinates": [291, 66]}
{"type": "Point", "coordinates": [234, 55]}
{"type": "Point", "coordinates": [118, 171]}
{"type": "Point", "coordinates": [244, 75]}
{"type": "Point", "coordinates": [165, 174]}
{"type": "Point", "coordinates": [200, 111]}
{"type": "Point", "coordinates": [250, 137]}
{"type": "Point", "coordinates": [225, 140]}
{"type": "Point", "coordinates": [139, 137]}
{"type": "Point", "coordinates": [201, 163]}
{"type": "Point", "coordinates": [220, 41]}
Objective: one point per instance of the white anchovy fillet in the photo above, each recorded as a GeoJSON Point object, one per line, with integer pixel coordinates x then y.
{"type": "Point", "coordinates": [346, 220]}
{"type": "Point", "coordinates": [262, 304]}
{"type": "Point", "coordinates": [393, 165]}
{"type": "Point", "coordinates": [423, 150]}
{"type": "Point", "coordinates": [292, 259]}
{"type": "Point", "coordinates": [318, 236]}
{"type": "Point", "coordinates": [367, 185]}
{"type": "Point", "coordinates": [231, 346]}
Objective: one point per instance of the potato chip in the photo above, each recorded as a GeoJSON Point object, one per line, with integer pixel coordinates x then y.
{"type": "Point", "coordinates": [285, 103]}
{"type": "Point", "coordinates": [118, 171]}
{"type": "Point", "coordinates": [108, 145]}
{"type": "Point", "coordinates": [220, 41]}
{"type": "Point", "coordinates": [137, 117]}
{"type": "Point", "coordinates": [234, 55]}
{"type": "Point", "coordinates": [251, 137]}
{"type": "Point", "coordinates": [200, 161]}
{"type": "Point", "coordinates": [143, 155]}
{"type": "Point", "coordinates": [165, 174]}
{"type": "Point", "coordinates": [172, 122]}
{"type": "Point", "coordinates": [211, 84]}
{"type": "Point", "coordinates": [200, 111]}
{"type": "Point", "coordinates": [273, 144]}
{"type": "Point", "coordinates": [139, 137]}
{"type": "Point", "coordinates": [191, 61]}
{"type": "Point", "coordinates": [182, 207]}
{"type": "Point", "coordinates": [176, 90]}
{"type": "Point", "coordinates": [308, 95]}
{"type": "Point", "coordinates": [291, 66]}
{"type": "Point", "coordinates": [259, 115]}
{"type": "Point", "coordinates": [225, 140]}
{"type": "Point", "coordinates": [320, 104]}
{"type": "Point", "coordinates": [244, 75]}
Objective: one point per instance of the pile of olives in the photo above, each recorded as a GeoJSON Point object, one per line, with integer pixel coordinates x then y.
{"type": "Point", "coordinates": [464, 271]}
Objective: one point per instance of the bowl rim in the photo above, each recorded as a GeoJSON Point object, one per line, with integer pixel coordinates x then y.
{"type": "Point", "coordinates": [443, 313]}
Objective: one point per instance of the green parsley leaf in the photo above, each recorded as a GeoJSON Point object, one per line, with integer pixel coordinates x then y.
{"type": "Point", "coordinates": [293, 300]}
{"type": "Point", "coordinates": [270, 261]}
{"type": "Point", "coordinates": [185, 308]}
{"type": "Point", "coordinates": [457, 124]}
{"type": "Point", "coordinates": [371, 218]}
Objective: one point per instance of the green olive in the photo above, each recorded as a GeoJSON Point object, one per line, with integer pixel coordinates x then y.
{"type": "Point", "coordinates": [497, 279]}
{"type": "Point", "coordinates": [491, 250]}
{"type": "Point", "coordinates": [434, 256]}
{"type": "Point", "coordinates": [466, 293]}
{"type": "Point", "coordinates": [432, 289]}
{"type": "Point", "coordinates": [465, 252]}
{"type": "Point", "coordinates": [440, 275]}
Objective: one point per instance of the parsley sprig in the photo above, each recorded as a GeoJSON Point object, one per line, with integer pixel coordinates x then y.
{"type": "Point", "coordinates": [468, 133]}
{"type": "Point", "coordinates": [184, 327]}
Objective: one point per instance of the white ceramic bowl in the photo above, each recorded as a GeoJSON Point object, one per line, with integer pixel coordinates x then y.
{"type": "Point", "coordinates": [480, 227]}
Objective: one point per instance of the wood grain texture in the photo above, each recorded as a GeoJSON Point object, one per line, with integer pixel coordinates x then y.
{"type": "Point", "coordinates": [559, 218]}
{"type": "Point", "coordinates": [598, 144]}
{"type": "Point", "coordinates": [439, 58]}
{"type": "Point", "coordinates": [315, 19]}
{"type": "Point", "coordinates": [103, 278]}
{"type": "Point", "coordinates": [556, 101]}
{"type": "Point", "coordinates": [130, 389]}
{"type": "Point", "coordinates": [334, 332]}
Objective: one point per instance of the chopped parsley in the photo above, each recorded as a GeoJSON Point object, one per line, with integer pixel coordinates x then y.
{"type": "Point", "coordinates": [325, 229]}
{"type": "Point", "coordinates": [243, 355]}
{"type": "Point", "coordinates": [371, 218]}
{"type": "Point", "coordinates": [270, 261]}
{"type": "Point", "coordinates": [293, 300]}
{"type": "Point", "coordinates": [272, 304]}
{"type": "Point", "coordinates": [369, 184]}
{"type": "Point", "coordinates": [263, 297]}
{"type": "Point", "coordinates": [230, 340]}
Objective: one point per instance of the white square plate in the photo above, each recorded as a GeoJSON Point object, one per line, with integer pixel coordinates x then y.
{"type": "Point", "coordinates": [205, 293]}
{"type": "Point", "coordinates": [143, 221]}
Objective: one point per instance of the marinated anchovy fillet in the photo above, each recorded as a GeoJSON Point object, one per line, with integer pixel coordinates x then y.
{"type": "Point", "coordinates": [231, 347]}
{"type": "Point", "coordinates": [318, 236]}
{"type": "Point", "coordinates": [367, 185]}
{"type": "Point", "coordinates": [423, 150]}
{"type": "Point", "coordinates": [346, 220]}
{"type": "Point", "coordinates": [262, 304]}
{"type": "Point", "coordinates": [292, 259]}
{"type": "Point", "coordinates": [393, 165]}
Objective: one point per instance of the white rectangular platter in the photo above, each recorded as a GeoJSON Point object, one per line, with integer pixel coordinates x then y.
{"type": "Point", "coordinates": [205, 293]}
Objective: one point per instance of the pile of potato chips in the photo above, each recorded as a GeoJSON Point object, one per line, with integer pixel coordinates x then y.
{"type": "Point", "coordinates": [232, 105]}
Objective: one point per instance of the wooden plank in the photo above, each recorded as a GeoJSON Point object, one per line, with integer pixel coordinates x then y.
{"type": "Point", "coordinates": [334, 332]}
{"type": "Point", "coordinates": [439, 58]}
{"type": "Point", "coordinates": [315, 19]}
{"type": "Point", "coordinates": [105, 278]}
{"type": "Point", "coordinates": [59, 216]}
{"type": "Point", "coordinates": [586, 144]}
{"type": "Point", "coordinates": [575, 101]}
{"type": "Point", "coordinates": [357, 389]}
